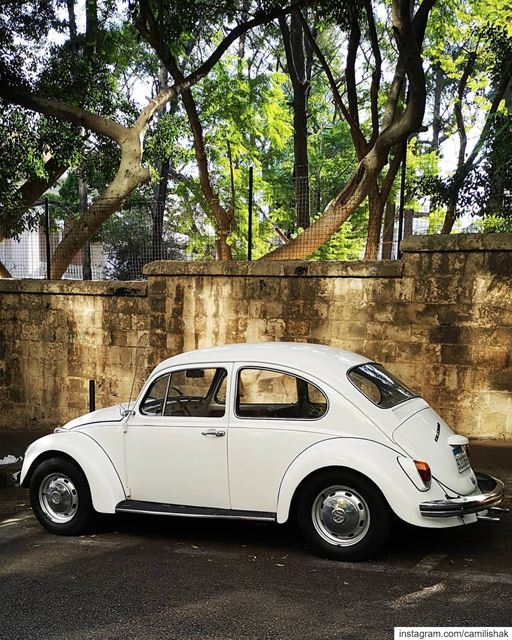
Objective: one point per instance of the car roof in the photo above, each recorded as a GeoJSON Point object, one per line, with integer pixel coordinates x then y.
{"type": "Point", "coordinates": [323, 362]}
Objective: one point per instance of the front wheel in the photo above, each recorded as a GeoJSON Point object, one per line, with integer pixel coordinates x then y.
{"type": "Point", "coordinates": [60, 497]}
{"type": "Point", "coordinates": [343, 515]}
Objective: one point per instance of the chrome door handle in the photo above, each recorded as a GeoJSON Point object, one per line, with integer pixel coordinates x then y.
{"type": "Point", "coordinates": [213, 433]}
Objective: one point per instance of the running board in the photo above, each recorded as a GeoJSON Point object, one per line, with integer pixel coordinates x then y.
{"type": "Point", "coordinates": [162, 509]}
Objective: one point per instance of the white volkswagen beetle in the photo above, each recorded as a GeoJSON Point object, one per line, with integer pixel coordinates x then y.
{"type": "Point", "coordinates": [261, 432]}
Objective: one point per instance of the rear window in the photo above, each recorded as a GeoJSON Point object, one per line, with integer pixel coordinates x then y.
{"type": "Point", "coordinates": [379, 386]}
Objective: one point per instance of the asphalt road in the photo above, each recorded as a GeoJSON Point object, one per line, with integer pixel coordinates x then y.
{"type": "Point", "coordinates": [149, 577]}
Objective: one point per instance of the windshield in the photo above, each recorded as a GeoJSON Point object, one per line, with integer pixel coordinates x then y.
{"type": "Point", "coordinates": [379, 386]}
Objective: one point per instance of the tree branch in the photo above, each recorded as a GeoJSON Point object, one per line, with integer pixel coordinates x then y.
{"type": "Point", "coordinates": [350, 73]}
{"type": "Point", "coordinates": [388, 181]}
{"type": "Point", "coordinates": [457, 107]}
{"type": "Point", "coordinates": [503, 87]}
{"type": "Point", "coordinates": [193, 78]}
{"type": "Point", "coordinates": [4, 271]}
{"type": "Point", "coordinates": [376, 74]}
{"type": "Point", "coordinates": [290, 64]}
{"type": "Point", "coordinates": [419, 24]}
{"type": "Point", "coordinates": [71, 113]}
{"type": "Point", "coordinates": [409, 36]}
{"type": "Point", "coordinates": [356, 133]}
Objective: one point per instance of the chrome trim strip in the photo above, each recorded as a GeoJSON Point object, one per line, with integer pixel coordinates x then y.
{"type": "Point", "coordinates": [195, 515]}
{"type": "Point", "coordinates": [165, 509]}
{"type": "Point", "coordinates": [467, 504]}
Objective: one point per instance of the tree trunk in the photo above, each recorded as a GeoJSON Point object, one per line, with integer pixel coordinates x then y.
{"type": "Point", "coordinates": [221, 217]}
{"type": "Point", "coordinates": [4, 272]}
{"type": "Point", "coordinates": [129, 176]}
{"type": "Point", "coordinates": [449, 219]}
{"type": "Point", "coordinates": [498, 169]}
{"type": "Point", "coordinates": [436, 114]}
{"type": "Point", "coordinates": [131, 173]}
{"type": "Point", "coordinates": [157, 211]}
{"type": "Point", "coordinates": [377, 197]}
{"type": "Point", "coordinates": [246, 5]}
{"type": "Point", "coordinates": [86, 251]}
{"type": "Point", "coordinates": [223, 250]}
{"type": "Point", "coordinates": [299, 58]}
{"type": "Point", "coordinates": [34, 188]}
{"type": "Point", "coordinates": [300, 149]}
{"type": "Point", "coordinates": [397, 124]}
{"type": "Point", "coordinates": [160, 188]}
{"type": "Point", "coordinates": [336, 213]}
{"type": "Point", "coordinates": [375, 211]}
{"type": "Point", "coordinates": [389, 230]}
{"type": "Point", "coordinates": [408, 222]}
{"type": "Point", "coordinates": [91, 27]}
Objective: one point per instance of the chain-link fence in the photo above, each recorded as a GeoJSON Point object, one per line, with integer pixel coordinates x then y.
{"type": "Point", "coordinates": [49, 241]}
{"type": "Point", "coordinates": [52, 239]}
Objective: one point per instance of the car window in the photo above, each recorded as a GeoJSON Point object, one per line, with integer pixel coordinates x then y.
{"type": "Point", "coordinates": [154, 398]}
{"type": "Point", "coordinates": [197, 392]}
{"type": "Point", "coordinates": [379, 385]}
{"type": "Point", "coordinates": [264, 393]}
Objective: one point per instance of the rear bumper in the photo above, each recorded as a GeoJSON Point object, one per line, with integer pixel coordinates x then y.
{"type": "Point", "coordinates": [491, 493]}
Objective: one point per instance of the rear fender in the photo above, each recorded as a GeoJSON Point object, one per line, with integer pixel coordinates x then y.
{"type": "Point", "coordinates": [104, 482]}
{"type": "Point", "coordinates": [378, 462]}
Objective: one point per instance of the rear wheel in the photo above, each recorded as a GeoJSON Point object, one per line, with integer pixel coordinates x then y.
{"type": "Point", "coordinates": [343, 515]}
{"type": "Point", "coordinates": [60, 496]}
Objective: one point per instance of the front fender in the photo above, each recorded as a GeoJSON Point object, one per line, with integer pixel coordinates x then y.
{"type": "Point", "coordinates": [377, 462]}
{"type": "Point", "coordinates": [104, 482]}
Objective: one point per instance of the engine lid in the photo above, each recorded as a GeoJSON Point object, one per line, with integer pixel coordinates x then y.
{"type": "Point", "coordinates": [426, 436]}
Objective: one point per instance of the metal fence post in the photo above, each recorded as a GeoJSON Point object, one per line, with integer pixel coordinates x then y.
{"type": "Point", "coordinates": [249, 230]}
{"type": "Point", "coordinates": [47, 237]}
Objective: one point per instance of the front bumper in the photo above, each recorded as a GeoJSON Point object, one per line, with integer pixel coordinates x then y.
{"type": "Point", "coordinates": [492, 491]}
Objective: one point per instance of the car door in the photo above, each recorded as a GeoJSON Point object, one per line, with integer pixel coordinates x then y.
{"type": "Point", "coordinates": [277, 414]}
{"type": "Point", "coordinates": [176, 441]}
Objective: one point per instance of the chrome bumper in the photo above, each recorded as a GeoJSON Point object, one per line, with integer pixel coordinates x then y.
{"type": "Point", "coordinates": [492, 491]}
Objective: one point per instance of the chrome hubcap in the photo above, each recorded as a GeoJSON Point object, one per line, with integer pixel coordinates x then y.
{"type": "Point", "coordinates": [340, 516]}
{"type": "Point", "coordinates": [58, 498]}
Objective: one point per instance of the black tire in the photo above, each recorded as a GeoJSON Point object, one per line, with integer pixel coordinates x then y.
{"type": "Point", "coordinates": [343, 516]}
{"type": "Point", "coordinates": [60, 497]}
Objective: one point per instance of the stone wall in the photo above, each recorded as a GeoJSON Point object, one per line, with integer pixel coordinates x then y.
{"type": "Point", "coordinates": [440, 318]}
{"type": "Point", "coordinates": [55, 336]}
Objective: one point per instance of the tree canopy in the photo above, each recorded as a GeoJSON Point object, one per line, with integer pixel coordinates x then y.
{"type": "Point", "coordinates": [170, 103]}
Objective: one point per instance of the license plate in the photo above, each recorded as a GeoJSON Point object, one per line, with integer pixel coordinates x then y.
{"type": "Point", "coordinates": [461, 458]}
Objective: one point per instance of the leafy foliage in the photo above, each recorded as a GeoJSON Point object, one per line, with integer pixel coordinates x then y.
{"type": "Point", "coordinates": [126, 238]}
{"type": "Point", "coordinates": [244, 106]}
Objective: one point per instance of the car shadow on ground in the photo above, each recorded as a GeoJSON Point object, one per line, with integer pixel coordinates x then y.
{"type": "Point", "coordinates": [407, 543]}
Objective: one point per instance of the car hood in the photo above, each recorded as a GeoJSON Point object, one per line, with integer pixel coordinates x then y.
{"type": "Point", "coordinates": [108, 414]}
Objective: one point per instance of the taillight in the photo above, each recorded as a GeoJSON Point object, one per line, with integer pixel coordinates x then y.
{"type": "Point", "coordinates": [424, 471]}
